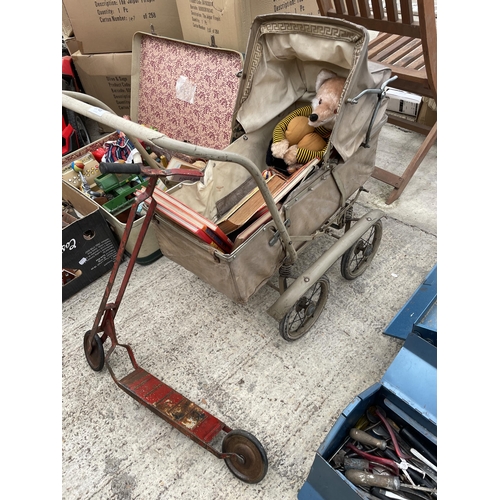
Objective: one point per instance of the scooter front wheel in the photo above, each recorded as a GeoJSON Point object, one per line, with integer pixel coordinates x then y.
{"type": "Point", "coordinates": [95, 357]}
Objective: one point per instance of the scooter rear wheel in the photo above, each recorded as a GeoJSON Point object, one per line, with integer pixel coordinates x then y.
{"type": "Point", "coordinates": [95, 358]}
{"type": "Point", "coordinates": [251, 463]}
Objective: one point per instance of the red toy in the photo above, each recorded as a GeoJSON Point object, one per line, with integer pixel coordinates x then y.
{"type": "Point", "coordinates": [74, 131]}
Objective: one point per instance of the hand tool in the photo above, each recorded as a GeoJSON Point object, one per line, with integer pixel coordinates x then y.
{"type": "Point", "coordinates": [417, 475]}
{"type": "Point", "coordinates": [361, 478]}
{"type": "Point", "coordinates": [384, 494]}
{"type": "Point", "coordinates": [386, 462]}
{"type": "Point", "coordinates": [424, 460]}
{"type": "Point", "coordinates": [403, 464]}
{"type": "Point", "coordinates": [407, 495]}
{"type": "Point", "coordinates": [424, 464]}
{"type": "Point", "coordinates": [415, 443]}
{"type": "Point", "coordinates": [390, 430]}
{"type": "Point", "coordinates": [367, 439]}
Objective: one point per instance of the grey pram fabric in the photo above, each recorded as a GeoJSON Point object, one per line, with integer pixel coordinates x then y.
{"type": "Point", "coordinates": [285, 53]}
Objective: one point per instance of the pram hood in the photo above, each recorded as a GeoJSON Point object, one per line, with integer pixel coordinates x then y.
{"type": "Point", "coordinates": [285, 53]}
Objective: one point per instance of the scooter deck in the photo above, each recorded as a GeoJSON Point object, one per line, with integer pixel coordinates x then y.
{"type": "Point", "coordinates": [172, 406]}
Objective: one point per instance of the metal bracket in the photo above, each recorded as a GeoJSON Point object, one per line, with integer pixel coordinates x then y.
{"type": "Point", "coordinates": [381, 92]}
{"type": "Point", "coordinates": [277, 234]}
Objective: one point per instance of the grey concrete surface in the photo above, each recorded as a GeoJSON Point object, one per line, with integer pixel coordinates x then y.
{"type": "Point", "coordinates": [231, 360]}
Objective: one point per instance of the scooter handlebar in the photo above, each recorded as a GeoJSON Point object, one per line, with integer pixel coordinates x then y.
{"type": "Point", "coordinates": [120, 168]}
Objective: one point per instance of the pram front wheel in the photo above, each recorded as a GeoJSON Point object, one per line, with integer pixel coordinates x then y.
{"type": "Point", "coordinates": [95, 358]}
{"type": "Point", "coordinates": [306, 311]}
{"type": "Point", "coordinates": [251, 463]}
{"type": "Point", "coordinates": [356, 260]}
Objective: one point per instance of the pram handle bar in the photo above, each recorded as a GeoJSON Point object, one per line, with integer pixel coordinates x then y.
{"type": "Point", "coordinates": [381, 92]}
{"type": "Point", "coordinates": [73, 101]}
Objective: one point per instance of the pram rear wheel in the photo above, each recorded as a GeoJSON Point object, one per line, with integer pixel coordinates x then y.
{"type": "Point", "coordinates": [306, 311]}
{"type": "Point", "coordinates": [356, 260]}
{"type": "Point", "coordinates": [251, 463]}
{"type": "Point", "coordinates": [95, 358]}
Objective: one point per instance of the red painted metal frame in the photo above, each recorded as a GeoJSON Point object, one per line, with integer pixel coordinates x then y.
{"type": "Point", "coordinates": [194, 422]}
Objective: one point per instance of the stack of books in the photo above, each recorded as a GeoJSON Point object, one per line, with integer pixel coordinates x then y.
{"type": "Point", "coordinates": [253, 206]}
{"type": "Point", "coordinates": [190, 220]}
{"type": "Point", "coordinates": [241, 221]}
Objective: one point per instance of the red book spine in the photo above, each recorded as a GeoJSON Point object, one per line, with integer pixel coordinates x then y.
{"type": "Point", "coordinates": [212, 229]}
{"type": "Point", "coordinates": [182, 222]}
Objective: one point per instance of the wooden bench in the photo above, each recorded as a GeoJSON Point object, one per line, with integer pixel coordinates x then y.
{"type": "Point", "coordinates": [407, 44]}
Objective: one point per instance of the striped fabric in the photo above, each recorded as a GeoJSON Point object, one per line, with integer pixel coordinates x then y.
{"type": "Point", "coordinates": [303, 155]}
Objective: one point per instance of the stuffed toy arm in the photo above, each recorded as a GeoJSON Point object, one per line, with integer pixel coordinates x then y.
{"type": "Point", "coordinates": [280, 143]}
{"type": "Point", "coordinates": [300, 143]}
{"type": "Point", "coordinates": [302, 155]}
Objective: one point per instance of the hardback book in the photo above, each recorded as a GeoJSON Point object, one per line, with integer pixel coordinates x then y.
{"type": "Point", "coordinates": [253, 205]}
{"type": "Point", "coordinates": [173, 209]}
{"type": "Point", "coordinates": [249, 206]}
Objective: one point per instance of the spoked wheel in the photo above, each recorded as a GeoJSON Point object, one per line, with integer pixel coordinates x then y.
{"type": "Point", "coordinates": [96, 356]}
{"type": "Point", "coordinates": [251, 463]}
{"type": "Point", "coordinates": [302, 316]}
{"type": "Point", "coordinates": [357, 259]}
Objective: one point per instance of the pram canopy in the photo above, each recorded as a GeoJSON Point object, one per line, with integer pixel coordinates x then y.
{"type": "Point", "coordinates": [285, 53]}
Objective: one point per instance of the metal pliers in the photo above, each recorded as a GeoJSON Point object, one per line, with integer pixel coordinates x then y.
{"type": "Point", "coordinates": [403, 465]}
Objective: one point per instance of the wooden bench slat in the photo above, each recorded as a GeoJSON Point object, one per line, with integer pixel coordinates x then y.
{"type": "Point", "coordinates": [339, 7]}
{"type": "Point", "coordinates": [378, 10]}
{"type": "Point", "coordinates": [381, 43]}
{"type": "Point", "coordinates": [392, 10]}
{"type": "Point", "coordinates": [412, 60]}
{"type": "Point", "coordinates": [352, 8]}
{"type": "Point", "coordinates": [364, 8]}
{"type": "Point", "coordinates": [411, 30]}
{"type": "Point", "coordinates": [397, 48]}
{"type": "Point", "coordinates": [395, 56]}
{"type": "Point", "coordinates": [407, 12]}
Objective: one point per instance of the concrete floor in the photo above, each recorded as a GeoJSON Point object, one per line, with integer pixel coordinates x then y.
{"type": "Point", "coordinates": [231, 360]}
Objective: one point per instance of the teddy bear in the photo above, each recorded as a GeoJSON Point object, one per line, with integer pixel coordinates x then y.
{"type": "Point", "coordinates": [303, 134]}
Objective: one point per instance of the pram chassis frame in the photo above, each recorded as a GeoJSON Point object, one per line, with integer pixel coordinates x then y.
{"type": "Point", "coordinates": [135, 131]}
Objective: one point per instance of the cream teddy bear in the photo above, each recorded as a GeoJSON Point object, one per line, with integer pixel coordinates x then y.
{"type": "Point", "coordinates": [303, 134]}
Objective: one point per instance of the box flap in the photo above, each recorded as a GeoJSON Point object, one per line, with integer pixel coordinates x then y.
{"type": "Point", "coordinates": [412, 376]}
{"type": "Point", "coordinates": [184, 90]}
{"type": "Point", "coordinates": [423, 300]}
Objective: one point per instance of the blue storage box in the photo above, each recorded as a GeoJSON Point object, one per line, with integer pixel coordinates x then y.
{"type": "Point", "coordinates": [407, 393]}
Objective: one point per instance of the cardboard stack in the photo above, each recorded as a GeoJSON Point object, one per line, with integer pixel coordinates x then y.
{"type": "Point", "coordinates": [99, 34]}
{"type": "Point", "coordinates": [227, 24]}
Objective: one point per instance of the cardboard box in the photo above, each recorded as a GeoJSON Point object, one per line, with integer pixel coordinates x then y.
{"type": "Point", "coordinates": [67, 28]}
{"type": "Point", "coordinates": [405, 103]}
{"type": "Point", "coordinates": [71, 44]}
{"type": "Point", "coordinates": [106, 77]}
{"type": "Point", "coordinates": [227, 24]}
{"type": "Point", "coordinates": [107, 26]}
{"type": "Point", "coordinates": [89, 247]}
{"type": "Point", "coordinates": [150, 250]}
{"type": "Point", "coordinates": [428, 112]}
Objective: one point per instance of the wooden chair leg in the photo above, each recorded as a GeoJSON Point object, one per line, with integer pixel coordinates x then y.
{"type": "Point", "coordinates": [400, 182]}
